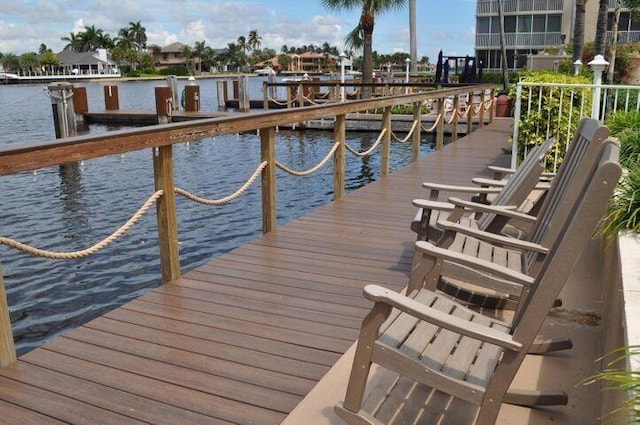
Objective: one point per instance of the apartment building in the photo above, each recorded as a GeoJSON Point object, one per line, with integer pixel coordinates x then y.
{"type": "Point", "coordinates": [534, 26]}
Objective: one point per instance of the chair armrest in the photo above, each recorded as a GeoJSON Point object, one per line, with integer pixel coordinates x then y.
{"type": "Point", "coordinates": [493, 238]}
{"type": "Point", "coordinates": [433, 205]}
{"type": "Point", "coordinates": [429, 314]}
{"type": "Point", "coordinates": [481, 266]}
{"type": "Point", "coordinates": [506, 210]}
{"type": "Point", "coordinates": [464, 189]}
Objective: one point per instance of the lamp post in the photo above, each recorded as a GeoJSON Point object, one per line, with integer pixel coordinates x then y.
{"type": "Point", "coordinates": [342, 91]}
{"type": "Point", "coordinates": [577, 66]}
{"type": "Point", "coordinates": [406, 76]}
{"type": "Point", "coordinates": [597, 65]}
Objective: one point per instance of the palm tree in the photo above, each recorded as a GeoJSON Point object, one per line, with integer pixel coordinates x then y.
{"type": "Point", "coordinates": [73, 42]}
{"type": "Point", "coordinates": [138, 35]}
{"type": "Point", "coordinates": [634, 6]}
{"type": "Point", "coordinates": [370, 8]}
{"type": "Point", "coordinates": [601, 27]}
{"type": "Point", "coordinates": [254, 41]}
{"type": "Point", "coordinates": [242, 43]}
{"type": "Point", "coordinates": [578, 30]}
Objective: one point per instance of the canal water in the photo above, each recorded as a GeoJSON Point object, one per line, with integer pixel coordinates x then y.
{"type": "Point", "coordinates": [73, 206]}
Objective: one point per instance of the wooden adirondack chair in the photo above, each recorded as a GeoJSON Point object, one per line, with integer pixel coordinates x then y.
{"type": "Point", "coordinates": [508, 193]}
{"type": "Point", "coordinates": [524, 256]}
{"type": "Point", "coordinates": [430, 338]}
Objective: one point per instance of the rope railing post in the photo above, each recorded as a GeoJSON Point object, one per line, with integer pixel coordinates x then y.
{"type": "Point", "coordinates": [7, 346]}
{"type": "Point", "coordinates": [265, 96]}
{"type": "Point", "coordinates": [268, 155]}
{"type": "Point", "coordinates": [339, 136]}
{"type": "Point", "coordinates": [455, 118]}
{"type": "Point", "coordinates": [300, 95]}
{"type": "Point", "coordinates": [469, 113]}
{"type": "Point", "coordinates": [166, 212]}
{"type": "Point", "coordinates": [417, 132]}
{"type": "Point", "coordinates": [481, 111]}
{"type": "Point", "coordinates": [386, 141]}
{"type": "Point", "coordinates": [492, 110]}
{"type": "Point", "coordinates": [440, 126]}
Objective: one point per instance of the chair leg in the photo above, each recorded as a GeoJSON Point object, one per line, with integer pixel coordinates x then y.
{"type": "Point", "coordinates": [362, 358]}
{"type": "Point", "coordinates": [359, 418]}
{"type": "Point", "coordinates": [544, 346]}
{"type": "Point", "coordinates": [536, 398]}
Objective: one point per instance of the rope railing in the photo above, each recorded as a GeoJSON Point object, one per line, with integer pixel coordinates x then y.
{"type": "Point", "coordinates": [228, 198]}
{"type": "Point", "coordinates": [92, 249]}
{"type": "Point", "coordinates": [371, 149]}
{"type": "Point", "coordinates": [413, 128]}
{"type": "Point", "coordinates": [281, 103]}
{"type": "Point", "coordinates": [433, 127]}
{"type": "Point", "coordinates": [312, 170]}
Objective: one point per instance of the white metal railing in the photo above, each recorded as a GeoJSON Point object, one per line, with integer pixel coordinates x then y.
{"type": "Point", "coordinates": [510, 6]}
{"type": "Point", "coordinates": [556, 108]}
{"type": "Point", "coordinates": [522, 39]}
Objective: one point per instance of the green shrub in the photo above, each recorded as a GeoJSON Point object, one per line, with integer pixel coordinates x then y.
{"type": "Point", "coordinates": [622, 122]}
{"type": "Point", "coordinates": [180, 71]}
{"type": "Point", "coordinates": [550, 112]}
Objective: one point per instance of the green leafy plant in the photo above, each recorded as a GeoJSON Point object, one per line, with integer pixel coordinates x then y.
{"type": "Point", "coordinates": [621, 122]}
{"type": "Point", "coordinates": [546, 112]}
{"type": "Point", "coordinates": [621, 379]}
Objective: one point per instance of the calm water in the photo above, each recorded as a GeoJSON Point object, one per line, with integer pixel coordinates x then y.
{"type": "Point", "coordinates": [73, 206]}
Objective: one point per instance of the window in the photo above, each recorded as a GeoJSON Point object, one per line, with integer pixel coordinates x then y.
{"type": "Point", "coordinates": [495, 25]}
{"type": "Point", "coordinates": [539, 23]}
{"type": "Point", "coordinates": [524, 23]}
{"type": "Point", "coordinates": [509, 24]}
{"type": "Point", "coordinates": [483, 25]}
{"type": "Point", "coordinates": [554, 23]}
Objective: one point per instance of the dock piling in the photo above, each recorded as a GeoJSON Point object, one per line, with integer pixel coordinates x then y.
{"type": "Point", "coordinates": [64, 119]}
{"type": "Point", "coordinates": [192, 98]}
{"type": "Point", "coordinates": [80, 103]}
{"type": "Point", "coordinates": [164, 104]}
{"type": "Point", "coordinates": [111, 100]}
{"type": "Point", "coordinates": [7, 346]}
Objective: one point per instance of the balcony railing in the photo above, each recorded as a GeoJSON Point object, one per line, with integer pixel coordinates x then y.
{"type": "Point", "coordinates": [520, 40]}
{"type": "Point", "coordinates": [513, 6]}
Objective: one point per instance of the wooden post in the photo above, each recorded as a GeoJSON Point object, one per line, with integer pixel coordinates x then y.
{"type": "Point", "coordinates": [80, 103]}
{"type": "Point", "coordinates": [440, 126]}
{"type": "Point", "coordinates": [456, 117]}
{"type": "Point", "coordinates": [417, 133]}
{"type": "Point", "coordinates": [268, 154]}
{"type": "Point", "coordinates": [481, 111]}
{"type": "Point", "coordinates": [166, 212]}
{"type": "Point", "coordinates": [111, 100]}
{"type": "Point", "coordinates": [386, 142]}
{"type": "Point", "coordinates": [7, 346]}
{"type": "Point", "coordinates": [492, 110]}
{"type": "Point", "coordinates": [300, 95]}
{"type": "Point", "coordinates": [64, 118]}
{"type": "Point", "coordinates": [163, 104]}
{"type": "Point", "coordinates": [236, 89]}
{"type": "Point", "coordinates": [265, 95]}
{"type": "Point", "coordinates": [243, 100]}
{"type": "Point", "coordinates": [470, 113]}
{"type": "Point", "coordinates": [339, 136]}
{"type": "Point", "coordinates": [192, 98]}
{"type": "Point", "coordinates": [221, 88]}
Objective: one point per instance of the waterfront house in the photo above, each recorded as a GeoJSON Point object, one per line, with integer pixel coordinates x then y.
{"type": "Point", "coordinates": [173, 55]}
{"type": "Point", "coordinates": [86, 63]}
{"type": "Point", "coordinates": [307, 62]}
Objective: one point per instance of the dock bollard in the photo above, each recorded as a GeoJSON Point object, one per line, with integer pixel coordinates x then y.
{"type": "Point", "coordinates": [64, 119]}
{"type": "Point", "coordinates": [80, 103]}
{"type": "Point", "coordinates": [192, 97]}
{"type": "Point", "coordinates": [111, 100]}
{"type": "Point", "coordinates": [164, 104]}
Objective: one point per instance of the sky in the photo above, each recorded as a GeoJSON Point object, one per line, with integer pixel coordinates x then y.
{"type": "Point", "coordinates": [25, 24]}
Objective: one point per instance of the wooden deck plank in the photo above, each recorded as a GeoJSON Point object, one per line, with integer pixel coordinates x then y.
{"type": "Point", "coordinates": [243, 338]}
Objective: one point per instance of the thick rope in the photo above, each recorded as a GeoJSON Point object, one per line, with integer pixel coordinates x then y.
{"type": "Point", "coordinates": [371, 149]}
{"type": "Point", "coordinates": [91, 250]}
{"type": "Point", "coordinates": [312, 170]}
{"type": "Point", "coordinates": [226, 199]}
{"type": "Point", "coordinates": [453, 115]}
{"type": "Point", "coordinates": [277, 102]}
{"type": "Point", "coordinates": [487, 104]}
{"type": "Point", "coordinates": [413, 128]}
{"type": "Point", "coordinates": [435, 124]}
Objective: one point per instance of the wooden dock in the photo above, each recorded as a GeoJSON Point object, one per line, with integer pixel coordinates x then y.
{"type": "Point", "coordinates": [244, 338]}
